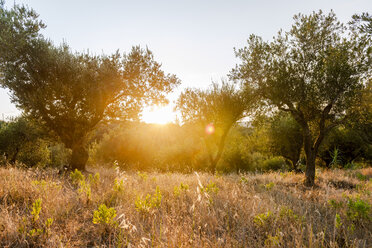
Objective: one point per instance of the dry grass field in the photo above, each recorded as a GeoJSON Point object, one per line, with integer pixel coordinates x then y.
{"type": "Point", "coordinates": [112, 208]}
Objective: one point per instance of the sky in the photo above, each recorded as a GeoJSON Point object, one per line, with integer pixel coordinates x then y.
{"type": "Point", "coordinates": [192, 39]}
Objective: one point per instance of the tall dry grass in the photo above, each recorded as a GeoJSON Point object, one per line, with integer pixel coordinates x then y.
{"type": "Point", "coordinates": [247, 210]}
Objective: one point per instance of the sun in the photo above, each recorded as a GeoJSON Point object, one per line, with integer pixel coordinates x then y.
{"type": "Point", "coordinates": [158, 115]}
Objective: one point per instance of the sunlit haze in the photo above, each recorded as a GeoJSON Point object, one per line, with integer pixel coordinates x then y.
{"type": "Point", "coordinates": [158, 115]}
{"type": "Point", "coordinates": [192, 39]}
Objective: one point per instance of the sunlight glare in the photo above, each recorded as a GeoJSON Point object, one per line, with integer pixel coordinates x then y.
{"type": "Point", "coordinates": [209, 129]}
{"type": "Point", "coordinates": [158, 115]}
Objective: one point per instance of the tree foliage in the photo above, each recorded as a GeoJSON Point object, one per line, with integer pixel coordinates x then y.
{"type": "Point", "coordinates": [362, 23]}
{"type": "Point", "coordinates": [315, 72]}
{"type": "Point", "coordinates": [22, 140]}
{"type": "Point", "coordinates": [218, 108]}
{"type": "Point", "coordinates": [285, 138]}
{"type": "Point", "coordinates": [72, 92]}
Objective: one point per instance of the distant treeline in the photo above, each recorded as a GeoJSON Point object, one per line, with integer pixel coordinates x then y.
{"type": "Point", "coordinates": [267, 144]}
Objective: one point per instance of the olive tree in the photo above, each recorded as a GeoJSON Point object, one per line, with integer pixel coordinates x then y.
{"type": "Point", "coordinates": [315, 72]}
{"type": "Point", "coordinates": [362, 23]}
{"type": "Point", "coordinates": [72, 92]}
{"type": "Point", "coordinates": [20, 134]}
{"type": "Point", "coordinates": [215, 110]}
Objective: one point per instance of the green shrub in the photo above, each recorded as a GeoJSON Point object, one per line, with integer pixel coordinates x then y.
{"type": "Point", "coordinates": [35, 154]}
{"type": "Point", "coordinates": [269, 186]}
{"type": "Point", "coordinates": [361, 177]}
{"type": "Point", "coordinates": [94, 180]}
{"type": "Point", "coordinates": [210, 188]}
{"type": "Point", "coordinates": [142, 175]}
{"type": "Point", "coordinates": [118, 186]}
{"type": "Point", "coordinates": [149, 202]}
{"type": "Point", "coordinates": [263, 219]}
{"type": "Point", "coordinates": [32, 228]}
{"type": "Point", "coordinates": [76, 176]}
{"type": "Point", "coordinates": [286, 212]}
{"type": "Point", "coordinates": [358, 210]}
{"type": "Point", "coordinates": [36, 208]}
{"type": "Point", "coordinates": [338, 222]}
{"type": "Point", "coordinates": [85, 191]}
{"type": "Point", "coordinates": [179, 189]}
{"type": "Point", "coordinates": [104, 215]}
{"type": "Point", "coordinates": [21, 140]}
{"type": "Point", "coordinates": [275, 163]}
{"type": "Point", "coordinates": [336, 158]}
{"type": "Point", "coordinates": [44, 185]}
{"type": "Point", "coordinates": [273, 241]}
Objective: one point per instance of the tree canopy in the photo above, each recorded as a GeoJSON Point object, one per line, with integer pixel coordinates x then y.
{"type": "Point", "coordinates": [285, 138]}
{"type": "Point", "coordinates": [215, 110]}
{"type": "Point", "coordinates": [71, 92]}
{"type": "Point", "coordinates": [315, 72]}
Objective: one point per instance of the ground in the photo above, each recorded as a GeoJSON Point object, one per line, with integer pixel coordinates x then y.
{"type": "Point", "coordinates": [112, 208]}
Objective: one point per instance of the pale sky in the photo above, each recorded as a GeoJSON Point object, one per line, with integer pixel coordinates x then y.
{"type": "Point", "coordinates": [192, 39]}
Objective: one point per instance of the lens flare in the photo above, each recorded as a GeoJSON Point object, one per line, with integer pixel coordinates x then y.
{"type": "Point", "coordinates": [209, 129]}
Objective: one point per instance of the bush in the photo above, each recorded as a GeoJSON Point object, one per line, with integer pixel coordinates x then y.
{"type": "Point", "coordinates": [104, 215]}
{"type": "Point", "coordinates": [275, 163]}
{"type": "Point", "coordinates": [25, 141]}
{"type": "Point", "coordinates": [357, 209]}
{"type": "Point", "coordinates": [35, 154]}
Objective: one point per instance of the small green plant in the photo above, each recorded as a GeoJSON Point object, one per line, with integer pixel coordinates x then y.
{"type": "Point", "coordinates": [361, 177]}
{"type": "Point", "coordinates": [184, 187]}
{"type": "Point", "coordinates": [336, 160]}
{"type": "Point", "coordinates": [36, 208]}
{"type": "Point", "coordinates": [335, 204]}
{"type": "Point", "coordinates": [218, 174]}
{"type": "Point", "coordinates": [76, 176]}
{"type": "Point", "coordinates": [150, 201]}
{"type": "Point", "coordinates": [94, 180]}
{"type": "Point", "coordinates": [286, 212]}
{"type": "Point", "coordinates": [262, 219]}
{"type": "Point", "coordinates": [154, 179]}
{"type": "Point", "coordinates": [142, 175]}
{"type": "Point", "coordinates": [210, 188]}
{"type": "Point", "coordinates": [43, 185]}
{"type": "Point", "coordinates": [269, 186]}
{"type": "Point", "coordinates": [286, 174]}
{"type": "Point", "coordinates": [176, 191]}
{"type": "Point", "coordinates": [32, 227]}
{"type": "Point", "coordinates": [351, 228]}
{"type": "Point", "coordinates": [104, 215]}
{"type": "Point", "coordinates": [85, 190]}
{"type": "Point", "coordinates": [118, 186]}
{"type": "Point", "coordinates": [272, 241]}
{"type": "Point", "coordinates": [243, 180]}
{"type": "Point", "coordinates": [358, 210]}
{"type": "Point", "coordinates": [179, 189]}
{"type": "Point", "coordinates": [338, 222]}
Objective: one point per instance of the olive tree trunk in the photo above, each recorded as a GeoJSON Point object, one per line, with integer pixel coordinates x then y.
{"type": "Point", "coordinates": [214, 160]}
{"type": "Point", "coordinates": [311, 152]}
{"type": "Point", "coordinates": [310, 168]}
